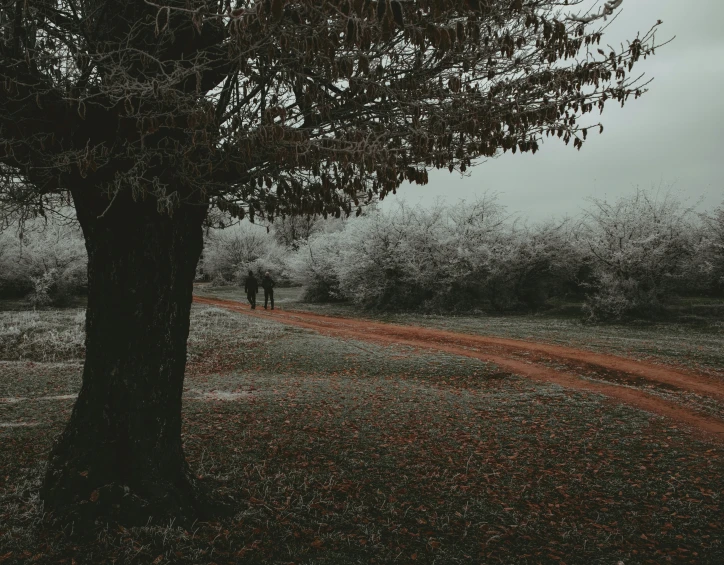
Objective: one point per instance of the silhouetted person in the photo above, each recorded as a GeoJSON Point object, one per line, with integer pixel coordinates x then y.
{"type": "Point", "coordinates": [251, 287]}
{"type": "Point", "coordinates": [267, 283]}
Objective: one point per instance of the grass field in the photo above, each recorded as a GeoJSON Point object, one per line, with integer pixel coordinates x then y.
{"type": "Point", "coordinates": [342, 452]}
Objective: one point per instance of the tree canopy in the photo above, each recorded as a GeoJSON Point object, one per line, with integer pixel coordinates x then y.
{"type": "Point", "coordinates": [281, 107]}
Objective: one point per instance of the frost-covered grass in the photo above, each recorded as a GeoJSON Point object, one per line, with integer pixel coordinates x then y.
{"type": "Point", "coordinates": [341, 452]}
{"type": "Point", "coordinates": [219, 340]}
{"type": "Point", "coordinates": [52, 335]}
{"type": "Point", "coordinates": [209, 324]}
{"type": "Point", "coordinates": [46, 335]}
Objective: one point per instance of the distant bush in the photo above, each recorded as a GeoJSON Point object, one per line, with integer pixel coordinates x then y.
{"type": "Point", "coordinates": [45, 261]}
{"type": "Point", "coordinates": [397, 260]}
{"type": "Point", "coordinates": [44, 287]}
{"type": "Point", "coordinates": [231, 252]}
{"type": "Point", "coordinates": [316, 264]}
{"type": "Point", "coordinates": [532, 264]}
{"type": "Point", "coordinates": [641, 249]}
{"type": "Point", "coordinates": [390, 261]}
{"type": "Point", "coordinates": [292, 231]}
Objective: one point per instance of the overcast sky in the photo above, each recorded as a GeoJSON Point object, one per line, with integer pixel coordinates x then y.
{"type": "Point", "coordinates": [672, 136]}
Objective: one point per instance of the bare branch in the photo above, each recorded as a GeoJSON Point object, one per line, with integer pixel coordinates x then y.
{"type": "Point", "coordinates": [607, 10]}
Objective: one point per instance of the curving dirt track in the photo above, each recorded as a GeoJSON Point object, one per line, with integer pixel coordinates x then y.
{"type": "Point", "coordinates": [618, 375]}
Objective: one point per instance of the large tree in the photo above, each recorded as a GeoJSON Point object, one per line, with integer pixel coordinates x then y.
{"type": "Point", "coordinates": [146, 114]}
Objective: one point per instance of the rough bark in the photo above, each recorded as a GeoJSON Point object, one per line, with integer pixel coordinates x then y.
{"type": "Point", "coordinates": [121, 456]}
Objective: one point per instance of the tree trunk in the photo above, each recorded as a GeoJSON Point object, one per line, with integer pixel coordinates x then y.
{"type": "Point", "coordinates": [121, 456]}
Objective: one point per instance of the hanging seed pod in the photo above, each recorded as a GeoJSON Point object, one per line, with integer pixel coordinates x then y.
{"type": "Point", "coordinates": [433, 35]}
{"type": "Point", "coordinates": [366, 39]}
{"type": "Point", "coordinates": [397, 13]}
{"type": "Point", "coordinates": [277, 9]}
{"type": "Point", "coordinates": [460, 32]}
{"type": "Point", "coordinates": [381, 9]}
{"type": "Point", "coordinates": [445, 42]}
{"type": "Point", "coordinates": [364, 64]}
{"type": "Point", "coordinates": [351, 35]}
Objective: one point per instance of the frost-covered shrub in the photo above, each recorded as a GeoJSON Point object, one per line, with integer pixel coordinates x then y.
{"type": "Point", "coordinates": [293, 231]}
{"type": "Point", "coordinates": [44, 287]}
{"type": "Point", "coordinates": [616, 298]}
{"type": "Point", "coordinates": [530, 264]}
{"type": "Point", "coordinates": [640, 249]}
{"type": "Point", "coordinates": [219, 281]}
{"type": "Point", "coordinates": [316, 264]}
{"type": "Point", "coordinates": [47, 261]}
{"type": "Point", "coordinates": [403, 259]}
{"type": "Point", "coordinates": [461, 258]}
{"type": "Point", "coordinates": [231, 252]}
{"type": "Point", "coordinates": [392, 260]}
{"type": "Point", "coordinates": [474, 231]}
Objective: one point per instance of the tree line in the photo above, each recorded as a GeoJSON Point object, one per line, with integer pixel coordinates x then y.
{"type": "Point", "coordinates": [624, 258]}
{"type": "Point", "coordinates": [629, 257]}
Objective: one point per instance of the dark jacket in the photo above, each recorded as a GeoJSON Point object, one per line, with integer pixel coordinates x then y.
{"type": "Point", "coordinates": [251, 284]}
{"type": "Point", "coordinates": [267, 283]}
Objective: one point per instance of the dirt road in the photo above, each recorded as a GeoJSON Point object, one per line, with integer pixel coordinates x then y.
{"type": "Point", "coordinates": [624, 380]}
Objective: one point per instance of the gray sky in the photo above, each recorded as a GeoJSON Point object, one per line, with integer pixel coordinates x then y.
{"type": "Point", "coordinates": [672, 136]}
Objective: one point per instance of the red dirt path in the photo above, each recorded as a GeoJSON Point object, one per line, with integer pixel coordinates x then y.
{"type": "Point", "coordinates": [526, 358]}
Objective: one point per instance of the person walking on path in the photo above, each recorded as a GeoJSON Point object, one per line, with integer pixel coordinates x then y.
{"type": "Point", "coordinates": [251, 287]}
{"type": "Point", "coordinates": [267, 283]}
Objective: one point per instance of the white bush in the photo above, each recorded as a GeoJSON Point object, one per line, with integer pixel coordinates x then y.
{"type": "Point", "coordinates": [293, 231]}
{"type": "Point", "coordinates": [529, 264]}
{"type": "Point", "coordinates": [316, 265]}
{"type": "Point", "coordinates": [399, 259]}
{"type": "Point", "coordinates": [640, 248]}
{"type": "Point", "coordinates": [231, 252]}
{"type": "Point", "coordinates": [46, 259]}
